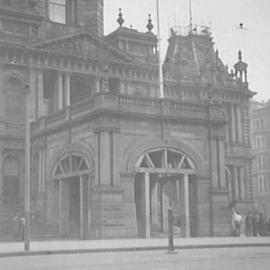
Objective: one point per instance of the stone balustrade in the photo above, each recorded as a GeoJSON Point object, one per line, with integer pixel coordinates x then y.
{"type": "Point", "coordinates": [131, 105]}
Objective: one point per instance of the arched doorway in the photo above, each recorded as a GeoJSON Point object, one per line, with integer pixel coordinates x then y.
{"type": "Point", "coordinates": [72, 176]}
{"type": "Point", "coordinates": [165, 178]}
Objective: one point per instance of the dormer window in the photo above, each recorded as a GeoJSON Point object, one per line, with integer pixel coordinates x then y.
{"type": "Point", "coordinates": [57, 11]}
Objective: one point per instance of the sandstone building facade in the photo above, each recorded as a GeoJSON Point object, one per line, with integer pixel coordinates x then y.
{"type": "Point", "coordinates": [108, 156]}
{"type": "Point", "coordinates": [260, 135]}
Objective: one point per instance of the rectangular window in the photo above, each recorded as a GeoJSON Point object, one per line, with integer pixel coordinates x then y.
{"type": "Point", "coordinates": [57, 11]}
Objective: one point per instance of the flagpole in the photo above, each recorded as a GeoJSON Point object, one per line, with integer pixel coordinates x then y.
{"type": "Point", "coordinates": [190, 17]}
{"type": "Point", "coordinates": [160, 72]}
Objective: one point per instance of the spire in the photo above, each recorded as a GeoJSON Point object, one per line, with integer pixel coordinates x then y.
{"type": "Point", "coordinates": [120, 19]}
{"type": "Point", "coordinates": [240, 55]}
{"type": "Point", "coordinates": [149, 26]}
{"type": "Point", "coordinates": [241, 69]}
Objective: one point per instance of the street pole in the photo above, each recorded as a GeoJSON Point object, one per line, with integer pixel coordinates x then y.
{"type": "Point", "coordinates": [160, 72]}
{"type": "Point", "coordinates": [27, 173]}
{"type": "Point", "coordinates": [210, 161]}
{"type": "Point", "coordinates": [170, 230]}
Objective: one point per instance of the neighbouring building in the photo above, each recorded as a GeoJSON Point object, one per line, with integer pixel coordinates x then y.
{"type": "Point", "coordinates": [108, 156]}
{"type": "Point", "coordinates": [260, 134]}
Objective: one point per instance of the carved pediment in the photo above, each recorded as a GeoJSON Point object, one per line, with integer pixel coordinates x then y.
{"type": "Point", "coordinates": [85, 45]}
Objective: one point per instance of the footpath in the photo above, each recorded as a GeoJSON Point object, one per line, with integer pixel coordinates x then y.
{"type": "Point", "coordinates": [10, 249]}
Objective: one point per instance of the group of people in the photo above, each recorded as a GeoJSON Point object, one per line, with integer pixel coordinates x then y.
{"type": "Point", "coordinates": [255, 224]}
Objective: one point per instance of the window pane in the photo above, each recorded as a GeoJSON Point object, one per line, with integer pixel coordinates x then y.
{"type": "Point", "coordinates": [57, 11]}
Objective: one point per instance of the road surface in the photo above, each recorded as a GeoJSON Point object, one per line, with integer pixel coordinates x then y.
{"type": "Point", "coordinates": [243, 258]}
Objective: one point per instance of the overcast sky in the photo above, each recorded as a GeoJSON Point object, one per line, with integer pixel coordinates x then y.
{"type": "Point", "coordinates": [224, 18]}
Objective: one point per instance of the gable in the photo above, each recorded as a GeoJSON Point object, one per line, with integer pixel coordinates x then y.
{"type": "Point", "coordinates": [84, 45]}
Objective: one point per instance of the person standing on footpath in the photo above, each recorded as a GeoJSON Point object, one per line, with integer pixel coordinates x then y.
{"type": "Point", "coordinates": [248, 224]}
{"type": "Point", "coordinates": [236, 223]}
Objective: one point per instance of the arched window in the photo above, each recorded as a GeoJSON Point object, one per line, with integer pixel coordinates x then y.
{"type": "Point", "coordinates": [69, 165]}
{"type": "Point", "coordinates": [168, 159]}
{"type": "Point", "coordinates": [11, 185]}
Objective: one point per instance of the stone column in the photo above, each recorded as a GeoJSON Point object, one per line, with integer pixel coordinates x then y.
{"type": "Point", "coordinates": [108, 150]}
{"type": "Point", "coordinates": [214, 162]}
{"type": "Point", "coordinates": [2, 94]}
{"type": "Point", "coordinates": [221, 165]}
{"type": "Point", "coordinates": [43, 170]}
{"type": "Point", "coordinates": [105, 160]}
{"type": "Point", "coordinates": [235, 184]}
{"type": "Point", "coordinates": [1, 177]}
{"type": "Point", "coordinates": [67, 89]}
{"type": "Point", "coordinates": [232, 123]}
{"type": "Point", "coordinates": [187, 207]}
{"type": "Point", "coordinates": [116, 146]}
{"type": "Point", "coordinates": [81, 208]}
{"type": "Point", "coordinates": [59, 90]}
{"type": "Point", "coordinates": [97, 84]}
{"type": "Point", "coordinates": [84, 206]}
{"type": "Point", "coordinates": [241, 184]}
{"type": "Point", "coordinates": [39, 171]}
{"type": "Point", "coordinates": [147, 206]}
{"type": "Point", "coordinates": [33, 92]}
{"type": "Point", "coordinates": [154, 202]}
{"type": "Point", "coordinates": [40, 97]}
{"type": "Point", "coordinates": [240, 126]}
{"type": "Point", "coordinates": [236, 117]}
{"type": "Point", "coordinates": [63, 207]}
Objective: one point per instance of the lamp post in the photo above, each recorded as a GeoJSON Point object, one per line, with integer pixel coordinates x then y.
{"type": "Point", "coordinates": [27, 172]}
{"type": "Point", "coordinates": [209, 100]}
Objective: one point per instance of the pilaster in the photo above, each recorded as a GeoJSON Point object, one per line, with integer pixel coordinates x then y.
{"type": "Point", "coordinates": [33, 92]}
{"type": "Point", "coordinates": [67, 89]}
{"type": "Point", "coordinates": [1, 178]}
{"type": "Point", "coordinates": [108, 165]}
{"type": "Point", "coordinates": [59, 90]}
{"type": "Point", "coordinates": [232, 123]}
{"type": "Point", "coordinates": [40, 97]}
{"type": "Point", "coordinates": [2, 94]}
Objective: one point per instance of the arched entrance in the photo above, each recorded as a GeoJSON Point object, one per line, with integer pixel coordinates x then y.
{"type": "Point", "coordinates": [165, 178]}
{"type": "Point", "coordinates": [72, 176]}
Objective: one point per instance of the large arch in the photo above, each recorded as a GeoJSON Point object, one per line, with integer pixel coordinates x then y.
{"type": "Point", "coordinates": [70, 182]}
{"type": "Point", "coordinates": [133, 153]}
{"type": "Point", "coordinates": [86, 151]}
{"type": "Point", "coordinates": [165, 178]}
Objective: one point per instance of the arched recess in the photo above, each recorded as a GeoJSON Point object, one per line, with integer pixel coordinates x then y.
{"type": "Point", "coordinates": [70, 190]}
{"type": "Point", "coordinates": [165, 178]}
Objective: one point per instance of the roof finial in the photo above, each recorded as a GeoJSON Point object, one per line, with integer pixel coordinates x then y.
{"type": "Point", "coordinates": [190, 17]}
{"type": "Point", "coordinates": [149, 26]}
{"type": "Point", "coordinates": [120, 19]}
{"type": "Point", "coordinates": [240, 55]}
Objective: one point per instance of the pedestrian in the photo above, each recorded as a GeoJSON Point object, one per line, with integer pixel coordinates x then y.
{"type": "Point", "coordinates": [255, 222]}
{"type": "Point", "coordinates": [21, 228]}
{"type": "Point", "coordinates": [238, 220]}
{"type": "Point", "coordinates": [248, 224]}
{"type": "Point", "coordinates": [236, 223]}
{"type": "Point", "coordinates": [268, 228]}
{"type": "Point", "coordinates": [261, 225]}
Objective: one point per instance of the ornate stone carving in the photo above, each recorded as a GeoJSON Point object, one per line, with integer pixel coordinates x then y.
{"type": "Point", "coordinates": [14, 27]}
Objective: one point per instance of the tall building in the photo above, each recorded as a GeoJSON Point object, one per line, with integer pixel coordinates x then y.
{"type": "Point", "coordinates": [108, 156]}
{"type": "Point", "coordinates": [260, 134]}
